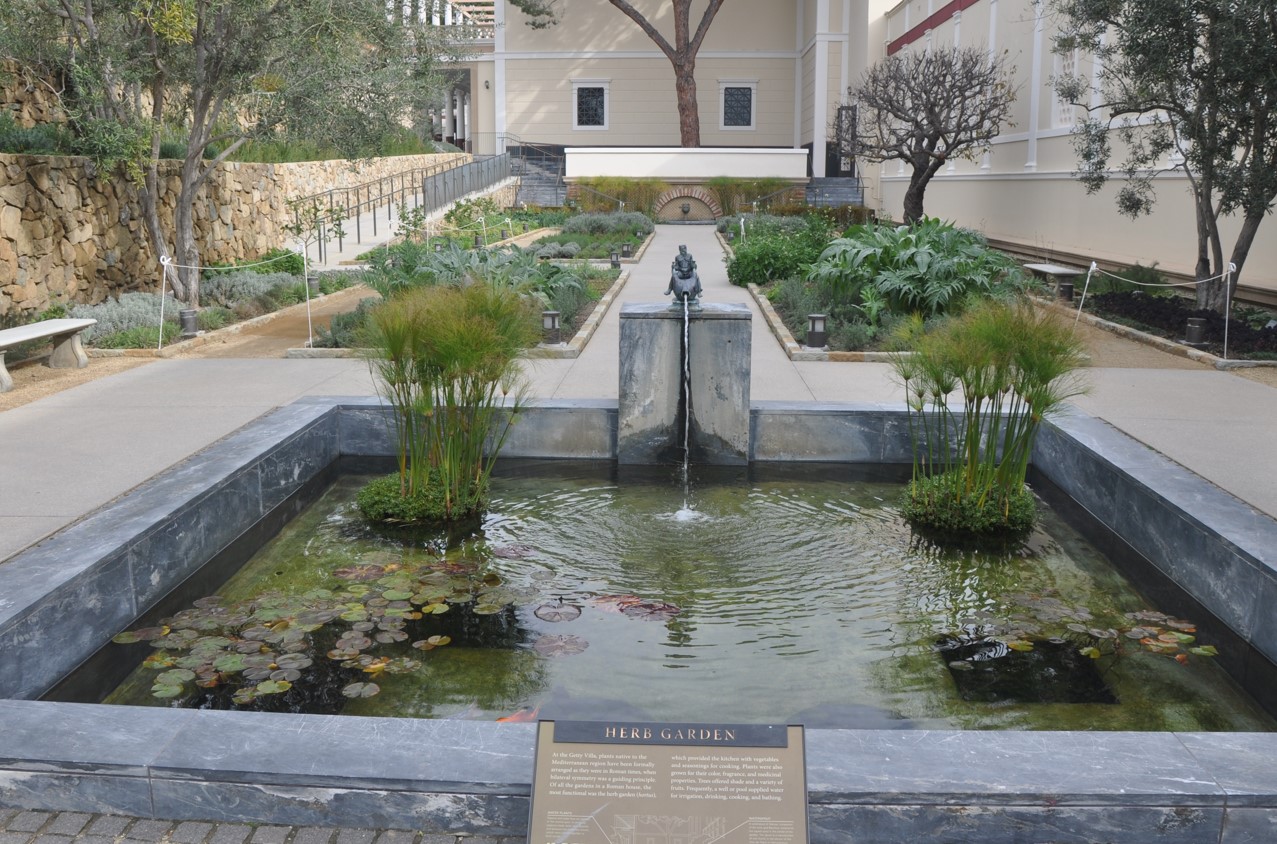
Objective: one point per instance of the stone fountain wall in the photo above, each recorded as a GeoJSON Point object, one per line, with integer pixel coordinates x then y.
{"type": "Point", "coordinates": [68, 236]}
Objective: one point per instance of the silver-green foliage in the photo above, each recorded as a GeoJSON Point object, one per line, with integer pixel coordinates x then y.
{"type": "Point", "coordinates": [930, 267]}
{"type": "Point", "coordinates": [621, 221]}
{"type": "Point", "coordinates": [228, 288]}
{"type": "Point", "coordinates": [128, 312]}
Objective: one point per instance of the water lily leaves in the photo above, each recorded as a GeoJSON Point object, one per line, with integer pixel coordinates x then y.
{"type": "Point", "coordinates": [353, 640]}
{"type": "Point", "coordinates": [386, 637]}
{"type": "Point", "coordinates": [1205, 650]}
{"type": "Point", "coordinates": [1093, 653]}
{"type": "Point", "coordinates": [245, 695]}
{"type": "Point", "coordinates": [560, 645]}
{"type": "Point", "coordinates": [651, 610]}
{"type": "Point", "coordinates": [230, 662]}
{"type": "Point", "coordinates": [354, 614]}
{"type": "Point", "coordinates": [286, 675]}
{"type": "Point", "coordinates": [176, 677]}
{"type": "Point", "coordinates": [488, 609]}
{"type": "Point", "coordinates": [210, 602]}
{"type": "Point", "coordinates": [514, 551]}
{"type": "Point", "coordinates": [273, 687]}
{"type": "Point", "coordinates": [396, 595]}
{"type": "Point", "coordinates": [166, 692]}
{"type": "Point", "coordinates": [146, 634]}
{"type": "Point", "coordinates": [432, 643]}
{"type": "Point", "coordinates": [159, 661]}
{"type": "Point", "coordinates": [297, 661]}
{"type": "Point", "coordinates": [360, 574]}
{"type": "Point", "coordinates": [1020, 645]}
{"type": "Point", "coordinates": [358, 690]}
{"type": "Point", "coordinates": [255, 633]}
{"type": "Point", "coordinates": [557, 612]}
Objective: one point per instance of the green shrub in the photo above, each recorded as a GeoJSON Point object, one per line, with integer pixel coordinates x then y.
{"type": "Point", "coordinates": [233, 287]}
{"type": "Point", "coordinates": [141, 337]}
{"type": "Point", "coordinates": [385, 501]}
{"type": "Point", "coordinates": [783, 254]}
{"type": "Point", "coordinates": [43, 139]}
{"type": "Point", "coordinates": [605, 191]}
{"type": "Point", "coordinates": [211, 319]}
{"type": "Point", "coordinates": [558, 250]}
{"type": "Point", "coordinates": [1002, 516]}
{"type": "Point", "coordinates": [348, 330]}
{"type": "Point", "coordinates": [930, 268]}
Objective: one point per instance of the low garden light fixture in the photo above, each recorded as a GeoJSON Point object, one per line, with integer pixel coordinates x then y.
{"type": "Point", "coordinates": [525, 228]}
{"type": "Point", "coordinates": [312, 284]}
{"type": "Point", "coordinates": [627, 250]}
{"type": "Point", "coordinates": [505, 234]}
{"type": "Point", "coordinates": [1194, 333]}
{"type": "Point", "coordinates": [616, 260]}
{"type": "Point", "coordinates": [550, 331]}
{"type": "Point", "coordinates": [478, 241]}
{"type": "Point", "coordinates": [438, 246]}
{"type": "Point", "coordinates": [816, 331]}
{"type": "Point", "coordinates": [186, 317]}
{"type": "Point", "coordinates": [1064, 291]}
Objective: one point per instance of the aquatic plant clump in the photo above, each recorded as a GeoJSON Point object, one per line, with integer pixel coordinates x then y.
{"type": "Point", "coordinates": [384, 501]}
{"type": "Point", "coordinates": [1010, 367]}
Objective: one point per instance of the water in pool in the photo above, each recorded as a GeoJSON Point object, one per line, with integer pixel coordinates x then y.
{"type": "Point", "coordinates": [785, 595]}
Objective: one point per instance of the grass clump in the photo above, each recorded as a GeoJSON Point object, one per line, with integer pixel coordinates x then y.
{"type": "Point", "coordinates": [978, 389]}
{"type": "Point", "coordinates": [445, 357]}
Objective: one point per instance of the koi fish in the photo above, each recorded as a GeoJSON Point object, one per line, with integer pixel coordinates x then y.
{"type": "Point", "coordinates": [522, 715]}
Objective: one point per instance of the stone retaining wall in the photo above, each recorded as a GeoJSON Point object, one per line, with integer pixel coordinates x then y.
{"type": "Point", "coordinates": [68, 237]}
{"type": "Point", "coordinates": [29, 100]}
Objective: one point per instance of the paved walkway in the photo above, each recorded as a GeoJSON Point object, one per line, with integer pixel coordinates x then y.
{"type": "Point", "coordinates": [69, 454]}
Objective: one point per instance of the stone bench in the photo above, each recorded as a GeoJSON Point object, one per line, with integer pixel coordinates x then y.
{"type": "Point", "coordinates": [68, 353]}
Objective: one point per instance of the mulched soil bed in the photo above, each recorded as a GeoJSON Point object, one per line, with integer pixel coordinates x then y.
{"type": "Point", "coordinates": [1168, 318]}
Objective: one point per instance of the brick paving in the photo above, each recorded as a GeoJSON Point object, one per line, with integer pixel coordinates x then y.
{"type": "Point", "coordinates": [35, 827]}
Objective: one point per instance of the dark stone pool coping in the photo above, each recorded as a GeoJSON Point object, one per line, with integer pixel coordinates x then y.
{"type": "Point", "coordinates": [881, 786]}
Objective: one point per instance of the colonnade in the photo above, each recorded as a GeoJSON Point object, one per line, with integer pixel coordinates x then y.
{"type": "Point", "coordinates": [454, 114]}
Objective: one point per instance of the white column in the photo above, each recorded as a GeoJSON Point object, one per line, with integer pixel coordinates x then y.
{"type": "Point", "coordinates": [449, 125]}
{"type": "Point", "coordinates": [462, 129]}
{"type": "Point", "coordinates": [1035, 93]}
{"type": "Point", "coordinates": [499, 124]}
{"type": "Point", "coordinates": [820, 93]}
{"type": "Point", "coordinates": [801, 28]}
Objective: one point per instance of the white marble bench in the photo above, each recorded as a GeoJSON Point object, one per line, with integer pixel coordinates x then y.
{"type": "Point", "coordinates": [68, 353]}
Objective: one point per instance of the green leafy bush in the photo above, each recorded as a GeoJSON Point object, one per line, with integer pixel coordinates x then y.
{"type": "Point", "coordinates": [211, 319]}
{"type": "Point", "coordinates": [233, 287]}
{"type": "Point", "coordinates": [274, 261]}
{"type": "Point", "coordinates": [1004, 514]}
{"type": "Point", "coordinates": [348, 330]}
{"type": "Point", "coordinates": [43, 139]}
{"type": "Point", "coordinates": [786, 253]}
{"type": "Point", "coordinates": [385, 501]}
{"type": "Point", "coordinates": [141, 337]}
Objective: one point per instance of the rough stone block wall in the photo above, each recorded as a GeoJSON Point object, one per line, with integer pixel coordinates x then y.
{"type": "Point", "coordinates": [29, 100]}
{"type": "Point", "coordinates": [68, 237]}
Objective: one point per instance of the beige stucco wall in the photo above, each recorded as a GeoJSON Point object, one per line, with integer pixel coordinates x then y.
{"type": "Point", "coordinates": [68, 237]}
{"type": "Point", "coordinates": [1023, 191]}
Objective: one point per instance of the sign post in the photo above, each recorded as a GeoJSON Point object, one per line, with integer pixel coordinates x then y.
{"type": "Point", "coordinates": [602, 782]}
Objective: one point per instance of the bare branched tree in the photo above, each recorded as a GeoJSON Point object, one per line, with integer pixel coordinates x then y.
{"type": "Point", "coordinates": [927, 108]}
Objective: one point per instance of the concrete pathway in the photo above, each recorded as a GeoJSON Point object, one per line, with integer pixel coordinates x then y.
{"type": "Point", "coordinates": [67, 455]}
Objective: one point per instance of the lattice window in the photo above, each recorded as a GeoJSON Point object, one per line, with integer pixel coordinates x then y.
{"type": "Point", "coordinates": [591, 107]}
{"type": "Point", "coordinates": [737, 98]}
{"type": "Point", "coordinates": [738, 107]}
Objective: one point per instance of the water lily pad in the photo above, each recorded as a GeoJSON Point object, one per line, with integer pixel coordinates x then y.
{"type": "Point", "coordinates": [159, 662]}
{"type": "Point", "coordinates": [354, 641]}
{"type": "Point", "coordinates": [210, 602]}
{"type": "Point", "coordinates": [1093, 653]}
{"type": "Point", "coordinates": [244, 696]}
{"type": "Point", "coordinates": [435, 609]}
{"type": "Point", "coordinates": [514, 551]}
{"type": "Point", "coordinates": [557, 612]}
{"type": "Point", "coordinates": [358, 690]}
{"type": "Point", "coordinates": [359, 574]}
{"type": "Point", "coordinates": [286, 675]}
{"type": "Point", "coordinates": [145, 634]}
{"type": "Point", "coordinates": [176, 677]}
{"type": "Point", "coordinates": [273, 687]}
{"type": "Point", "coordinates": [488, 609]}
{"type": "Point", "coordinates": [386, 637]}
{"type": "Point", "coordinates": [166, 692]}
{"type": "Point", "coordinates": [230, 662]}
{"type": "Point", "coordinates": [1205, 650]}
{"type": "Point", "coordinates": [559, 645]}
{"type": "Point", "coordinates": [294, 661]}
{"type": "Point", "coordinates": [396, 595]}
{"type": "Point", "coordinates": [651, 610]}
{"type": "Point", "coordinates": [432, 643]}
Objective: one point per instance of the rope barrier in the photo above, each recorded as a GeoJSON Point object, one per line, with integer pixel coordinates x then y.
{"type": "Point", "coordinates": [1225, 276]}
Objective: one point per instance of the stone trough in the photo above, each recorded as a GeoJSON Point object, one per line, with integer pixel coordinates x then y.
{"type": "Point", "coordinates": [1194, 549]}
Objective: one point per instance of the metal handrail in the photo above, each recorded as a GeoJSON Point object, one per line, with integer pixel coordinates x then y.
{"type": "Point", "coordinates": [428, 188]}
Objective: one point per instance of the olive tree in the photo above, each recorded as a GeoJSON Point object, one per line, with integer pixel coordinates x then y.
{"type": "Point", "coordinates": [1187, 86]}
{"type": "Point", "coordinates": [218, 72]}
{"type": "Point", "coordinates": [927, 108]}
{"type": "Point", "coordinates": [681, 52]}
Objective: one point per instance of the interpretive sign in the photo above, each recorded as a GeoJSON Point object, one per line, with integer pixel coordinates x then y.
{"type": "Point", "coordinates": [601, 782]}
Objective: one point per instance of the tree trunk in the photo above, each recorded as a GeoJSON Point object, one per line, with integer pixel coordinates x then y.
{"type": "Point", "coordinates": [187, 255]}
{"type": "Point", "coordinates": [922, 173]}
{"type": "Point", "coordinates": [689, 119]}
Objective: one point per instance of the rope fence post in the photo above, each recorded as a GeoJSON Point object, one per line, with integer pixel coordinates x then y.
{"type": "Point", "coordinates": [164, 264]}
{"type": "Point", "coordinates": [1228, 302]}
{"type": "Point", "coordinates": [1086, 285]}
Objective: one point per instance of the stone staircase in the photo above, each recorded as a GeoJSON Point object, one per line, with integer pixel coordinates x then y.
{"type": "Point", "coordinates": [835, 192]}
{"type": "Point", "coordinates": [540, 179]}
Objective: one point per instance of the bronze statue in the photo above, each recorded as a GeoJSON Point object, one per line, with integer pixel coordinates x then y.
{"type": "Point", "coordinates": [685, 282]}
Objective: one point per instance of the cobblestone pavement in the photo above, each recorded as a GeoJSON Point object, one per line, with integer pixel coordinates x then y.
{"type": "Point", "coordinates": [30, 827]}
